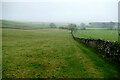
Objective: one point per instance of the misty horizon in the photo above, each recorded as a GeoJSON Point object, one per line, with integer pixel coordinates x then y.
{"type": "Point", "coordinates": [63, 12]}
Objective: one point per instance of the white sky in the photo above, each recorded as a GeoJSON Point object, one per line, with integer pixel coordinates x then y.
{"type": "Point", "coordinates": [60, 10]}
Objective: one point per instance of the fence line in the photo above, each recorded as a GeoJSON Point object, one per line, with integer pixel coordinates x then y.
{"type": "Point", "coordinates": [109, 50]}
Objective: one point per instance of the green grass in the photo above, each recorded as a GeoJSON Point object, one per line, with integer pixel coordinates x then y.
{"type": "Point", "coordinates": [111, 35]}
{"type": "Point", "coordinates": [96, 28]}
{"type": "Point", "coordinates": [22, 25]}
{"type": "Point", "coordinates": [0, 53]}
{"type": "Point", "coordinates": [50, 53]}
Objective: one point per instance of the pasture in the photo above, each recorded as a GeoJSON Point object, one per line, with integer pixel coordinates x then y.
{"type": "Point", "coordinates": [111, 35]}
{"type": "Point", "coordinates": [22, 25]}
{"type": "Point", "coordinates": [51, 53]}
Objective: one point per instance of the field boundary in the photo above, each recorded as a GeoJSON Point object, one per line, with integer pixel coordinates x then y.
{"type": "Point", "coordinates": [109, 50]}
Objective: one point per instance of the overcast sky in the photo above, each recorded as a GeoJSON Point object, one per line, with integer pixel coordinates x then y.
{"type": "Point", "coordinates": [61, 11]}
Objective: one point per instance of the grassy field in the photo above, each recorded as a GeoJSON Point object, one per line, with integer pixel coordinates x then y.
{"type": "Point", "coordinates": [111, 35]}
{"type": "Point", "coordinates": [22, 25]}
{"type": "Point", "coordinates": [97, 28]}
{"type": "Point", "coordinates": [50, 53]}
{"type": "Point", "coordinates": [0, 53]}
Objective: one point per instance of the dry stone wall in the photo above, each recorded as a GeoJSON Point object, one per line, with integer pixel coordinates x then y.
{"type": "Point", "coordinates": [109, 50]}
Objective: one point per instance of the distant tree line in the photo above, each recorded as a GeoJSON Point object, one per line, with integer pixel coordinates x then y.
{"type": "Point", "coordinates": [109, 25]}
{"type": "Point", "coordinates": [83, 26]}
{"type": "Point", "coordinates": [62, 27]}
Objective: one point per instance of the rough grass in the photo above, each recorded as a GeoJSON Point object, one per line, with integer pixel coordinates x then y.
{"type": "Point", "coordinates": [22, 25]}
{"type": "Point", "coordinates": [0, 53]}
{"type": "Point", "coordinates": [48, 53]}
{"type": "Point", "coordinates": [111, 35]}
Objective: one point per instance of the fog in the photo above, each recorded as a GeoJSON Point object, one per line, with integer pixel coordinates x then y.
{"type": "Point", "coordinates": [63, 11]}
